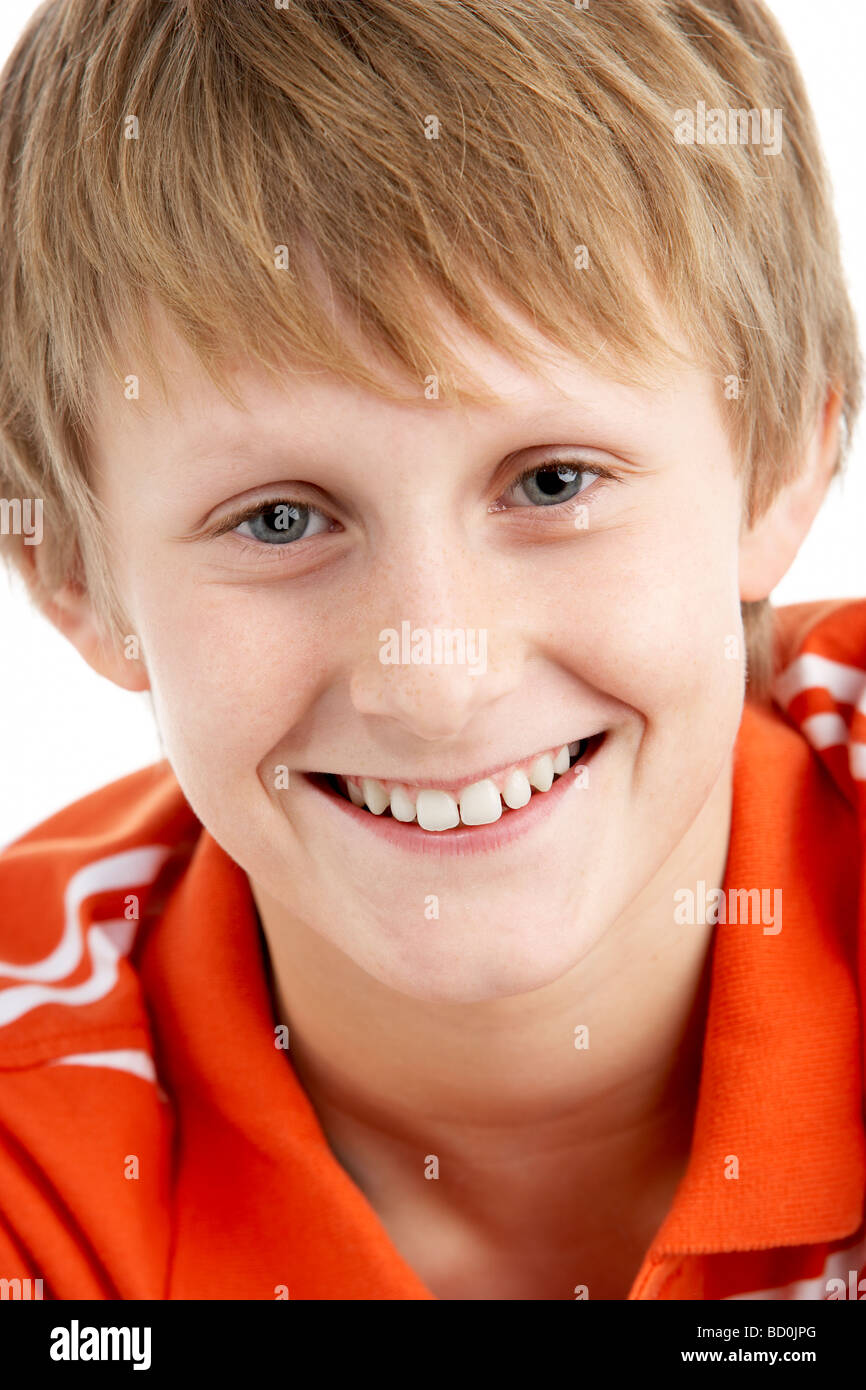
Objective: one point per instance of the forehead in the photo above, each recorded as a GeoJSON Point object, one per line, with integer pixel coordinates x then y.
{"type": "Point", "coordinates": [196, 413]}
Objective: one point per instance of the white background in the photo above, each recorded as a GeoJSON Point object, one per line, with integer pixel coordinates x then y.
{"type": "Point", "coordinates": [67, 731]}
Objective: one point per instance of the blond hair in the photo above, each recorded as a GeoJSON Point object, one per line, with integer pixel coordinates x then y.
{"type": "Point", "coordinates": [403, 147]}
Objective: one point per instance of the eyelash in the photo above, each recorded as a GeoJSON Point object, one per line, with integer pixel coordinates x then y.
{"type": "Point", "coordinates": [560, 508]}
{"type": "Point", "coordinates": [236, 519]}
{"type": "Point", "coordinates": [258, 548]}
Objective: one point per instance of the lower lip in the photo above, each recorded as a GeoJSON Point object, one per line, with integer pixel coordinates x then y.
{"type": "Point", "coordinates": [464, 839]}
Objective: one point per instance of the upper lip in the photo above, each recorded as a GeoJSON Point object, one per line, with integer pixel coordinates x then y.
{"type": "Point", "coordinates": [464, 779]}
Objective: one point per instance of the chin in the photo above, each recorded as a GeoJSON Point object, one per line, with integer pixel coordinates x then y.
{"type": "Point", "coordinates": [479, 961]}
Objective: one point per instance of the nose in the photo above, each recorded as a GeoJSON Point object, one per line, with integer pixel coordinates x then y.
{"type": "Point", "coordinates": [433, 702]}
{"type": "Point", "coordinates": [446, 647]}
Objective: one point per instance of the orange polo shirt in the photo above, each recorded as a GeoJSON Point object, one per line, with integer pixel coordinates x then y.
{"type": "Point", "coordinates": [155, 1143]}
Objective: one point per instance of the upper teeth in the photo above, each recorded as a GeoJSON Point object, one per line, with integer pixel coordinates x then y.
{"type": "Point", "coordinates": [478, 804]}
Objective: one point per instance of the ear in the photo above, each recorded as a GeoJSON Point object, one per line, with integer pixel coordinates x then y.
{"type": "Point", "coordinates": [71, 611]}
{"type": "Point", "coordinates": [768, 548]}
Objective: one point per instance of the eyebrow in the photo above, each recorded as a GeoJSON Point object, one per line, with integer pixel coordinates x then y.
{"type": "Point", "coordinates": [234, 443]}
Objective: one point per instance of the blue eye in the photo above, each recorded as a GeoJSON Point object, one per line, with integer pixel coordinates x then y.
{"type": "Point", "coordinates": [552, 483]}
{"type": "Point", "coordinates": [278, 523]}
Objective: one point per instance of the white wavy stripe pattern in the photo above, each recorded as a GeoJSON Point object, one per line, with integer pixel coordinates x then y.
{"type": "Point", "coordinates": [131, 1059]}
{"type": "Point", "coordinates": [846, 684]}
{"type": "Point", "coordinates": [105, 942]}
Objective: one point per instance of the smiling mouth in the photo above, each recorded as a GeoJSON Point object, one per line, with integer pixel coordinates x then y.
{"type": "Point", "coordinates": [481, 803]}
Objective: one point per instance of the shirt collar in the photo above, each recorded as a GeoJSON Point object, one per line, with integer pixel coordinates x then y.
{"type": "Point", "coordinates": [261, 1203]}
{"type": "Point", "coordinates": [781, 1081]}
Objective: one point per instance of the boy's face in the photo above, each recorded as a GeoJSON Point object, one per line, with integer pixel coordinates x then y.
{"type": "Point", "coordinates": [615, 610]}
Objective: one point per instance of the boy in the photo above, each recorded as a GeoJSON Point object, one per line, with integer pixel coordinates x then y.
{"type": "Point", "coordinates": [424, 409]}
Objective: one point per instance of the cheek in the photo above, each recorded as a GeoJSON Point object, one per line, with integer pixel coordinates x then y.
{"type": "Point", "coordinates": [650, 615]}
{"type": "Point", "coordinates": [231, 672]}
